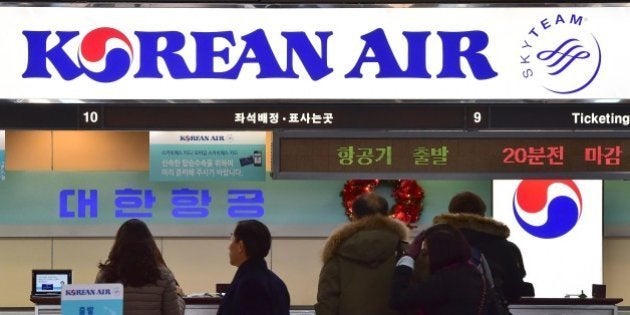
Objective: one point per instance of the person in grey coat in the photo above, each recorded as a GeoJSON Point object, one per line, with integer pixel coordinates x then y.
{"type": "Point", "coordinates": [136, 262]}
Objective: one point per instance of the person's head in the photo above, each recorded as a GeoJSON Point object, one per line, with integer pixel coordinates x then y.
{"type": "Point", "coordinates": [467, 202]}
{"type": "Point", "coordinates": [369, 204]}
{"type": "Point", "coordinates": [251, 239]}
{"type": "Point", "coordinates": [445, 245]}
{"type": "Point", "coordinates": [134, 259]}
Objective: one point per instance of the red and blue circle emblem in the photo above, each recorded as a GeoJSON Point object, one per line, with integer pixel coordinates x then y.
{"type": "Point", "coordinates": [563, 210]}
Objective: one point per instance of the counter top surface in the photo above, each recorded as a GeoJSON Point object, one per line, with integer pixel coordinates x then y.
{"type": "Point", "coordinates": [567, 301]}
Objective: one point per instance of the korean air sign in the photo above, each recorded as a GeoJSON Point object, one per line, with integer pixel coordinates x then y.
{"type": "Point", "coordinates": [257, 51]}
{"type": "Point", "coordinates": [333, 53]}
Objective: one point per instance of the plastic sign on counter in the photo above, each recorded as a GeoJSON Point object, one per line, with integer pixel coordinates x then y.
{"type": "Point", "coordinates": [92, 299]}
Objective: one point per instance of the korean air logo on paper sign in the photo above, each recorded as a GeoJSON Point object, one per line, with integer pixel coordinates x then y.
{"type": "Point", "coordinates": [556, 214]}
{"type": "Point", "coordinates": [560, 54]}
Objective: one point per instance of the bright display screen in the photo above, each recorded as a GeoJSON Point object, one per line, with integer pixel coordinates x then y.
{"type": "Point", "coordinates": [506, 155]}
{"type": "Point", "coordinates": [46, 283]}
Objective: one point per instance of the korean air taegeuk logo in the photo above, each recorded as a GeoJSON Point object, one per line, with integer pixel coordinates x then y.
{"type": "Point", "coordinates": [563, 211]}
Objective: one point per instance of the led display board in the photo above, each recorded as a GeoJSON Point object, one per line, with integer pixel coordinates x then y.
{"type": "Point", "coordinates": [435, 155]}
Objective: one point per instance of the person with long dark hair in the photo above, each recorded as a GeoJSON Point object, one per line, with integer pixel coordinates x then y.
{"type": "Point", "coordinates": [136, 262]}
{"type": "Point", "coordinates": [454, 286]}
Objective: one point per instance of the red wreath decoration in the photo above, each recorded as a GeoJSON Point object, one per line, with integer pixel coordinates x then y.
{"type": "Point", "coordinates": [406, 192]}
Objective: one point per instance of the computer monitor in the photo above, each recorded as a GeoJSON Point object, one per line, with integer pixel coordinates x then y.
{"type": "Point", "coordinates": [48, 282]}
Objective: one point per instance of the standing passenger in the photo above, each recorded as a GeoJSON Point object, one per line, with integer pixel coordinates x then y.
{"type": "Point", "coordinates": [359, 261]}
{"type": "Point", "coordinates": [454, 286]}
{"type": "Point", "coordinates": [255, 290]}
{"type": "Point", "coordinates": [136, 262]}
{"type": "Point", "coordinates": [467, 213]}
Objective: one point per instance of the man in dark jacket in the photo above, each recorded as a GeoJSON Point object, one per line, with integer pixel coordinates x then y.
{"type": "Point", "coordinates": [255, 290]}
{"type": "Point", "coordinates": [467, 213]}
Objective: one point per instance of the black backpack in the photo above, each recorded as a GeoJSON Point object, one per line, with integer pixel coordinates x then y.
{"type": "Point", "coordinates": [493, 301]}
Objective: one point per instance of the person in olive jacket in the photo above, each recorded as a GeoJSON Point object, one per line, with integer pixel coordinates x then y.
{"type": "Point", "coordinates": [467, 213]}
{"type": "Point", "coordinates": [255, 290]}
{"type": "Point", "coordinates": [359, 261]}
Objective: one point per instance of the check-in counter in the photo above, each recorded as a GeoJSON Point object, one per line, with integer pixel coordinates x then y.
{"type": "Point", "coordinates": [565, 306]}
{"type": "Point", "coordinates": [525, 306]}
{"type": "Point", "coordinates": [202, 305]}
{"type": "Point", "coordinates": [194, 305]}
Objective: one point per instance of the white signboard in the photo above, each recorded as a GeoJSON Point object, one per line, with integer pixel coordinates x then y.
{"type": "Point", "coordinates": [317, 53]}
{"type": "Point", "coordinates": [92, 299]}
{"type": "Point", "coordinates": [557, 224]}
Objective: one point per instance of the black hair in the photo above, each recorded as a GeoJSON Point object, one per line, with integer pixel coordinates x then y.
{"type": "Point", "coordinates": [467, 202]}
{"type": "Point", "coordinates": [134, 259]}
{"type": "Point", "coordinates": [256, 237]}
{"type": "Point", "coordinates": [369, 204]}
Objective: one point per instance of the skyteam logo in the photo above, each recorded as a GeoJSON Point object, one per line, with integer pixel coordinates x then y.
{"type": "Point", "coordinates": [560, 54]}
{"type": "Point", "coordinates": [556, 212]}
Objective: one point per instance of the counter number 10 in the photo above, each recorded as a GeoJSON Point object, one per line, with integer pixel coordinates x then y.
{"type": "Point", "coordinates": [90, 117]}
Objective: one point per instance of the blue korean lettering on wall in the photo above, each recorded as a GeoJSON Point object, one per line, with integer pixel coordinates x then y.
{"type": "Point", "coordinates": [185, 203]}
{"type": "Point", "coordinates": [84, 202]}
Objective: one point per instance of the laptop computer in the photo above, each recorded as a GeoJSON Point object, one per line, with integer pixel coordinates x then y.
{"type": "Point", "coordinates": [48, 282]}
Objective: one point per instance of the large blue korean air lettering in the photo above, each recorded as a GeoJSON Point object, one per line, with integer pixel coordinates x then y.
{"type": "Point", "coordinates": [149, 55]}
{"type": "Point", "coordinates": [38, 55]}
{"type": "Point", "coordinates": [453, 55]}
{"type": "Point", "coordinates": [210, 48]}
{"type": "Point", "coordinates": [377, 50]}
{"type": "Point", "coordinates": [117, 61]}
{"type": "Point", "coordinates": [315, 65]}
{"type": "Point", "coordinates": [376, 41]}
{"type": "Point", "coordinates": [257, 50]}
